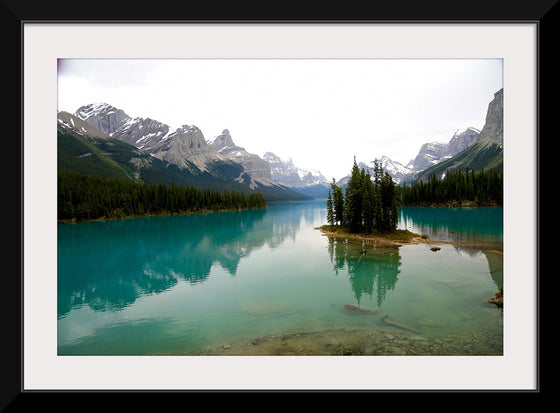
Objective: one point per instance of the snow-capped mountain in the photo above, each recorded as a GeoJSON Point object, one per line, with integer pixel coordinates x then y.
{"type": "Point", "coordinates": [430, 154]}
{"type": "Point", "coordinates": [396, 169]}
{"type": "Point", "coordinates": [433, 153]}
{"type": "Point", "coordinates": [146, 134]}
{"type": "Point", "coordinates": [256, 167]}
{"type": "Point", "coordinates": [70, 122]}
{"type": "Point", "coordinates": [310, 182]}
{"type": "Point", "coordinates": [185, 147]}
{"type": "Point", "coordinates": [103, 117]}
{"type": "Point", "coordinates": [484, 151]}
{"type": "Point", "coordinates": [286, 173]}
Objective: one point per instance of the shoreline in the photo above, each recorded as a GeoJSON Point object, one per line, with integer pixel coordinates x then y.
{"type": "Point", "coordinates": [390, 240]}
{"type": "Point", "coordinates": [455, 204]}
{"type": "Point", "coordinates": [356, 341]}
{"type": "Point", "coordinates": [162, 214]}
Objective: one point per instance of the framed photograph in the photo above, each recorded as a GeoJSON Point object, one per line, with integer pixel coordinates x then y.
{"type": "Point", "coordinates": [274, 299]}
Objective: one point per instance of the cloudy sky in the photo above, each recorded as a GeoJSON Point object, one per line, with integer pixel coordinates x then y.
{"type": "Point", "coordinates": [319, 112]}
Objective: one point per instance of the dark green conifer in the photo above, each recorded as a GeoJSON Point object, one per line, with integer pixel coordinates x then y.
{"type": "Point", "coordinates": [330, 210]}
{"type": "Point", "coordinates": [354, 199]}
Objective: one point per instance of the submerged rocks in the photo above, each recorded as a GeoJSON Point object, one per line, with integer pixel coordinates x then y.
{"type": "Point", "coordinates": [364, 341]}
{"type": "Point", "coordinates": [354, 309]}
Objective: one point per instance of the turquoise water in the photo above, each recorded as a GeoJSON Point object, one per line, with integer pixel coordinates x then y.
{"type": "Point", "coordinates": [181, 283]}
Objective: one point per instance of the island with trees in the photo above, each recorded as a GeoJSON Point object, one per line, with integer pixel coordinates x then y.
{"type": "Point", "coordinates": [367, 211]}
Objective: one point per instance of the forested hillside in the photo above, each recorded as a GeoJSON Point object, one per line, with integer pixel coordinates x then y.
{"type": "Point", "coordinates": [82, 197]}
{"type": "Point", "coordinates": [456, 187]}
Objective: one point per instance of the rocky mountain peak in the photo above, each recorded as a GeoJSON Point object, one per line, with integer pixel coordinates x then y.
{"type": "Point", "coordinates": [73, 123]}
{"type": "Point", "coordinates": [271, 158]}
{"type": "Point", "coordinates": [224, 143]}
{"type": "Point", "coordinates": [102, 116]}
{"type": "Point", "coordinates": [493, 130]}
{"type": "Point", "coordinates": [285, 173]}
{"type": "Point", "coordinates": [461, 140]}
{"type": "Point", "coordinates": [433, 153]}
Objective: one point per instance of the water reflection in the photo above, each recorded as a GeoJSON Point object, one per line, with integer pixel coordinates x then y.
{"type": "Point", "coordinates": [112, 275]}
{"type": "Point", "coordinates": [477, 230]}
{"type": "Point", "coordinates": [372, 271]}
{"type": "Point", "coordinates": [454, 224]}
{"type": "Point", "coordinates": [494, 257]}
{"type": "Point", "coordinates": [108, 265]}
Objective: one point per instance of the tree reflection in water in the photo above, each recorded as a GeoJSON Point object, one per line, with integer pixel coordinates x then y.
{"type": "Point", "coordinates": [372, 271]}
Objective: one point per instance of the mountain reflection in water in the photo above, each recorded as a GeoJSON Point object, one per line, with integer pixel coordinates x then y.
{"type": "Point", "coordinates": [171, 283]}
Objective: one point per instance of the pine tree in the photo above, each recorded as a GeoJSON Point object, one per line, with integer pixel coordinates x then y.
{"type": "Point", "coordinates": [353, 201]}
{"type": "Point", "coordinates": [377, 173]}
{"type": "Point", "coordinates": [330, 210]}
{"type": "Point", "coordinates": [370, 203]}
{"type": "Point", "coordinates": [388, 194]}
{"type": "Point", "coordinates": [338, 203]}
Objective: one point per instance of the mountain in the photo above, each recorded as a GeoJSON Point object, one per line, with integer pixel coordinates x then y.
{"type": "Point", "coordinates": [103, 117]}
{"type": "Point", "coordinates": [257, 168]}
{"type": "Point", "coordinates": [396, 169]}
{"type": "Point", "coordinates": [187, 149]}
{"type": "Point", "coordinates": [184, 147]}
{"type": "Point", "coordinates": [307, 181]}
{"type": "Point", "coordinates": [430, 154]}
{"type": "Point", "coordinates": [146, 150]}
{"type": "Point", "coordinates": [433, 153]}
{"type": "Point", "coordinates": [84, 149]}
{"type": "Point", "coordinates": [486, 149]}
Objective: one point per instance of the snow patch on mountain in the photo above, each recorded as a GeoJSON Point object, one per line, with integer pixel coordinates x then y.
{"type": "Point", "coordinates": [287, 174]}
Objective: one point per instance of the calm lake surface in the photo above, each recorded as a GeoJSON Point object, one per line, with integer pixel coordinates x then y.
{"type": "Point", "coordinates": [165, 285]}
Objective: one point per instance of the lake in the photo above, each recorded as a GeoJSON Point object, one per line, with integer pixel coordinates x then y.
{"type": "Point", "coordinates": [187, 283]}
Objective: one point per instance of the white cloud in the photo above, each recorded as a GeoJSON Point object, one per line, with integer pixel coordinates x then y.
{"type": "Point", "coordinates": [319, 112]}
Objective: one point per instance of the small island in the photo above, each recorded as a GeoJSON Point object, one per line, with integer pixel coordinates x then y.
{"type": "Point", "coordinates": [368, 211]}
{"type": "Point", "coordinates": [393, 239]}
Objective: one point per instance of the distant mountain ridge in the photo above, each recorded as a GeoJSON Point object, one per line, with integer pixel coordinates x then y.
{"type": "Point", "coordinates": [256, 167]}
{"type": "Point", "coordinates": [83, 149]}
{"type": "Point", "coordinates": [432, 153]}
{"type": "Point", "coordinates": [396, 169]}
{"type": "Point", "coordinates": [310, 182]}
{"type": "Point", "coordinates": [185, 149]}
{"type": "Point", "coordinates": [485, 151]}
{"type": "Point", "coordinates": [469, 148]}
{"type": "Point", "coordinates": [187, 152]}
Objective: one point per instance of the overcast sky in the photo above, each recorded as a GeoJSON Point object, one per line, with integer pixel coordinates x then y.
{"type": "Point", "coordinates": [319, 112]}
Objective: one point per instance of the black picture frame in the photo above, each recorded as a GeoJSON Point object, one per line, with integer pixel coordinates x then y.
{"type": "Point", "coordinates": [15, 13]}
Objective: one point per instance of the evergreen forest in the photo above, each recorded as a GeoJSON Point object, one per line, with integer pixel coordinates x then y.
{"type": "Point", "coordinates": [456, 187]}
{"type": "Point", "coordinates": [84, 197]}
{"type": "Point", "coordinates": [369, 205]}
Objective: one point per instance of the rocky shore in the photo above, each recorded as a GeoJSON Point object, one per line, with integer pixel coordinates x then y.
{"type": "Point", "coordinates": [360, 342]}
